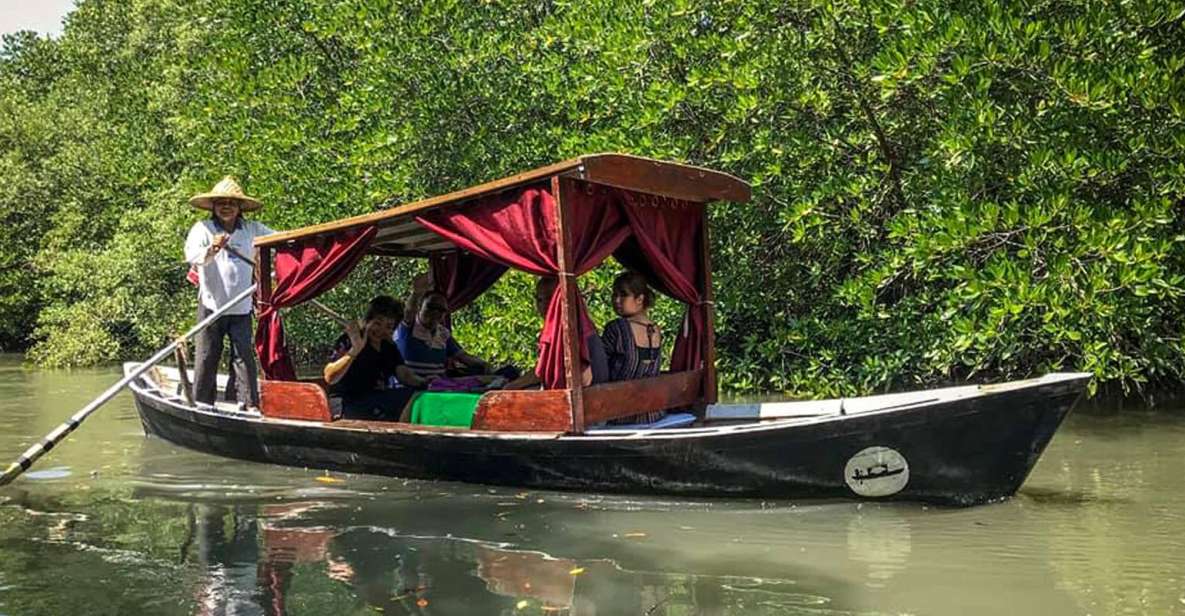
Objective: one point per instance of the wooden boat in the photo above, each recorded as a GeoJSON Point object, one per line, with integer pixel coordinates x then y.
{"type": "Point", "coordinates": [961, 445]}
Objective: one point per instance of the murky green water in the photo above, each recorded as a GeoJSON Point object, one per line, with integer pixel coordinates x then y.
{"type": "Point", "coordinates": [116, 523]}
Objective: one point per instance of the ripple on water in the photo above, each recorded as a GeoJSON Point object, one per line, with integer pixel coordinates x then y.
{"type": "Point", "coordinates": [1097, 528]}
{"type": "Point", "coordinates": [57, 472]}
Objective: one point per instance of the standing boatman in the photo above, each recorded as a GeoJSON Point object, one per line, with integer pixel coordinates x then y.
{"type": "Point", "coordinates": [222, 248]}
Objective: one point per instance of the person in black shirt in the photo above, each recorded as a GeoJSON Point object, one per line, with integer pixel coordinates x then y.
{"type": "Point", "coordinates": [364, 362]}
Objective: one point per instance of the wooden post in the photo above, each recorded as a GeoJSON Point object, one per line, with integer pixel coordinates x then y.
{"type": "Point", "coordinates": [263, 275]}
{"type": "Point", "coordinates": [709, 307]}
{"type": "Point", "coordinates": [263, 296]}
{"type": "Point", "coordinates": [571, 319]}
{"type": "Point", "coordinates": [183, 372]}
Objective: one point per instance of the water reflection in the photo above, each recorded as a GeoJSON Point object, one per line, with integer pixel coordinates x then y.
{"type": "Point", "coordinates": [114, 523]}
{"type": "Point", "coordinates": [225, 541]}
{"type": "Point", "coordinates": [882, 542]}
{"type": "Point", "coordinates": [423, 550]}
{"type": "Point", "coordinates": [277, 559]}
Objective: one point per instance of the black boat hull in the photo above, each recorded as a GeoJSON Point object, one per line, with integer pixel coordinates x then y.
{"type": "Point", "coordinates": [960, 452]}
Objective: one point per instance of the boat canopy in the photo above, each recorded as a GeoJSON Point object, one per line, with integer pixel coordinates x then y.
{"type": "Point", "coordinates": [560, 220]}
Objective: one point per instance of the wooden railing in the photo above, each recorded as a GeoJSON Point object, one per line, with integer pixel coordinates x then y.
{"type": "Point", "coordinates": [527, 411]}
{"type": "Point", "coordinates": [293, 400]}
{"type": "Point", "coordinates": [516, 411]}
{"type": "Point", "coordinates": [625, 398]}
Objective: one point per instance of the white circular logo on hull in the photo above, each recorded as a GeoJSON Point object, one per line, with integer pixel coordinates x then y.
{"type": "Point", "coordinates": [876, 471]}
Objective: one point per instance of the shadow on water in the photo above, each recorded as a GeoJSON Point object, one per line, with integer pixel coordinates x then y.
{"type": "Point", "coordinates": [1069, 498]}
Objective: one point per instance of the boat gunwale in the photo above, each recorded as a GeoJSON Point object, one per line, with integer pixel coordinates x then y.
{"type": "Point", "coordinates": [756, 425]}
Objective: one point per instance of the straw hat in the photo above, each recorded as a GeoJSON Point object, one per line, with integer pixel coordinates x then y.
{"type": "Point", "coordinates": [228, 188]}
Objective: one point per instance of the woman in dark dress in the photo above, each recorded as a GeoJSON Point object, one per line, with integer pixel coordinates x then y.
{"type": "Point", "coordinates": [632, 341]}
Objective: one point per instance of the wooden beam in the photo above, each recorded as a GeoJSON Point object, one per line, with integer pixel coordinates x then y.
{"type": "Point", "coordinates": [568, 304]}
{"type": "Point", "coordinates": [442, 246]}
{"type": "Point", "coordinates": [263, 276]}
{"type": "Point", "coordinates": [620, 170]}
{"type": "Point", "coordinates": [412, 209]}
{"type": "Point", "coordinates": [386, 250]}
{"type": "Point", "coordinates": [709, 308]}
{"type": "Point", "coordinates": [657, 177]}
{"type": "Point", "coordinates": [429, 239]}
{"type": "Point", "coordinates": [395, 250]}
{"type": "Point", "coordinates": [422, 236]}
{"type": "Point", "coordinates": [424, 242]}
{"type": "Point", "coordinates": [658, 393]}
{"type": "Point", "coordinates": [397, 232]}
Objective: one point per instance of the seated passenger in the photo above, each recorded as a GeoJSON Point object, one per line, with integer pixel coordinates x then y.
{"type": "Point", "coordinates": [596, 372]}
{"type": "Point", "coordinates": [364, 359]}
{"type": "Point", "coordinates": [633, 341]}
{"type": "Point", "coordinates": [420, 286]}
{"type": "Point", "coordinates": [427, 345]}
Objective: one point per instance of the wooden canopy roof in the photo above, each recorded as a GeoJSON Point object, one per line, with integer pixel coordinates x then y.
{"type": "Point", "coordinates": [400, 234]}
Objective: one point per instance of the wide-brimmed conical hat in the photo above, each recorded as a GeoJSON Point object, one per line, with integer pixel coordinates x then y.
{"type": "Point", "coordinates": [228, 188]}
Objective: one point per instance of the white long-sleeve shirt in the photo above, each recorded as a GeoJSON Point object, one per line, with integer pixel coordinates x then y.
{"type": "Point", "coordinates": [224, 275]}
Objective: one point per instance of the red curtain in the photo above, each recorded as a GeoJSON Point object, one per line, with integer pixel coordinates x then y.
{"type": "Point", "coordinates": [518, 229]}
{"type": "Point", "coordinates": [462, 277]}
{"type": "Point", "coordinates": [303, 270]}
{"type": "Point", "coordinates": [668, 234]}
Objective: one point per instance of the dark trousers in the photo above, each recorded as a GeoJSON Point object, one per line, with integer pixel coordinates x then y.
{"type": "Point", "coordinates": [209, 351]}
{"type": "Point", "coordinates": [231, 393]}
{"type": "Point", "coordinates": [383, 404]}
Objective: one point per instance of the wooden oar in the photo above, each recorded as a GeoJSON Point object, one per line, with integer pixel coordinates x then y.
{"type": "Point", "coordinates": [53, 438]}
{"type": "Point", "coordinates": [238, 254]}
{"type": "Point", "coordinates": [330, 312]}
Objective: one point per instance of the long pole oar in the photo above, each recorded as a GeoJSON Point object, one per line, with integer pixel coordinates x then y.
{"type": "Point", "coordinates": [53, 438]}
{"type": "Point", "coordinates": [330, 312]}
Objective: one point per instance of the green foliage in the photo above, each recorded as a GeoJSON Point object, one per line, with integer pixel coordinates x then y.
{"type": "Point", "coordinates": [943, 190]}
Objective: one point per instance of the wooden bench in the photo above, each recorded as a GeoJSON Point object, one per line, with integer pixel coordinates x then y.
{"type": "Point", "coordinates": [294, 400]}
{"type": "Point", "coordinates": [551, 410]}
{"type": "Point", "coordinates": [624, 398]}
{"type": "Point", "coordinates": [518, 411]}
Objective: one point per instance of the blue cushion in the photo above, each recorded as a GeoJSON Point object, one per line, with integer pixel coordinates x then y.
{"type": "Point", "coordinates": [673, 420]}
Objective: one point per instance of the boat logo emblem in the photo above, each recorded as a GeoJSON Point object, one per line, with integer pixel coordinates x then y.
{"type": "Point", "coordinates": [876, 471]}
